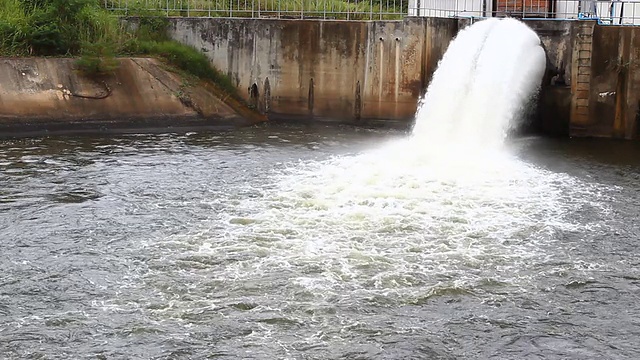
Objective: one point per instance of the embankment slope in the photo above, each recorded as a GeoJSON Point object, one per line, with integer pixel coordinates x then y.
{"type": "Point", "coordinates": [40, 95]}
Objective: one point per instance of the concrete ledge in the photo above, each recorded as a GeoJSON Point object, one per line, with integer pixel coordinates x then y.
{"type": "Point", "coordinates": [42, 95]}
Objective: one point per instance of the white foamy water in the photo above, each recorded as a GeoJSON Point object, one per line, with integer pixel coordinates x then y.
{"type": "Point", "coordinates": [445, 211]}
{"type": "Point", "coordinates": [439, 245]}
{"type": "Point", "coordinates": [445, 207]}
{"type": "Point", "coordinates": [389, 223]}
{"type": "Point", "coordinates": [486, 77]}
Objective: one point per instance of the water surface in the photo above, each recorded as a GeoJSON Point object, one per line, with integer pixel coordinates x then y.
{"type": "Point", "coordinates": [313, 242]}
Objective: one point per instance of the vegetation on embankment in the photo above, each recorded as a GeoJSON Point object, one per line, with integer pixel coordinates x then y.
{"type": "Point", "coordinates": [330, 9]}
{"type": "Point", "coordinates": [83, 28]}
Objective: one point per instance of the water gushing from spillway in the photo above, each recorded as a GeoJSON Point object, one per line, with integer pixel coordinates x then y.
{"type": "Point", "coordinates": [281, 243]}
{"type": "Point", "coordinates": [477, 94]}
{"type": "Point", "coordinates": [320, 242]}
{"type": "Point", "coordinates": [410, 216]}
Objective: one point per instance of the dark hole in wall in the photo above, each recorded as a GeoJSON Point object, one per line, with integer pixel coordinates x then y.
{"type": "Point", "coordinates": [266, 103]}
{"type": "Point", "coordinates": [310, 98]}
{"type": "Point", "coordinates": [549, 111]}
{"type": "Point", "coordinates": [254, 95]}
{"type": "Point", "coordinates": [637, 123]}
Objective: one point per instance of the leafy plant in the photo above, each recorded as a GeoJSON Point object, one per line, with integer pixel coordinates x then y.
{"type": "Point", "coordinates": [97, 59]}
{"type": "Point", "coordinates": [84, 28]}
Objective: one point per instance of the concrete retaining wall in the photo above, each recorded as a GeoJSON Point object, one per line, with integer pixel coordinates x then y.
{"type": "Point", "coordinates": [347, 71]}
{"type": "Point", "coordinates": [363, 72]}
{"type": "Point", "coordinates": [310, 69]}
{"type": "Point", "coordinates": [614, 79]}
{"type": "Point", "coordinates": [45, 94]}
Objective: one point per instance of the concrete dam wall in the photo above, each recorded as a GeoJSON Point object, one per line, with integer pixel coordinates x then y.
{"type": "Point", "coordinates": [376, 71]}
{"type": "Point", "coordinates": [337, 70]}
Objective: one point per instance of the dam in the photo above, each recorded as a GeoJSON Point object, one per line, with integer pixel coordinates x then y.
{"type": "Point", "coordinates": [308, 241]}
{"type": "Point", "coordinates": [447, 238]}
{"type": "Point", "coordinates": [374, 71]}
{"type": "Point", "coordinates": [363, 64]}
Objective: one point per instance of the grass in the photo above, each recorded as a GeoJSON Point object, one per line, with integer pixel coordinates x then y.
{"type": "Point", "coordinates": [84, 28]}
{"type": "Point", "coordinates": [189, 60]}
{"type": "Point", "coordinates": [338, 9]}
{"type": "Point", "coordinates": [14, 25]}
{"type": "Point", "coordinates": [55, 27]}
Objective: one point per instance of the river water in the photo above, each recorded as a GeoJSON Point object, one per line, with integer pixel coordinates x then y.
{"type": "Point", "coordinates": [314, 242]}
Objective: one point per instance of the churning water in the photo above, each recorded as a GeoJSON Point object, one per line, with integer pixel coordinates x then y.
{"type": "Point", "coordinates": [481, 87]}
{"type": "Point", "coordinates": [328, 243]}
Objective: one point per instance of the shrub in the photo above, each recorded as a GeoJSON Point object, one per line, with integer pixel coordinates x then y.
{"type": "Point", "coordinates": [13, 28]}
{"type": "Point", "coordinates": [97, 59]}
{"type": "Point", "coordinates": [83, 27]}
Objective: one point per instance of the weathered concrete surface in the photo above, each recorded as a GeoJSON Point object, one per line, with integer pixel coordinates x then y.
{"type": "Point", "coordinates": [361, 71]}
{"type": "Point", "coordinates": [614, 99]}
{"type": "Point", "coordinates": [355, 71]}
{"type": "Point", "coordinates": [38, 94]}
{"type": "Point", "coordinates": [308, 69]}
{"type": "Point", "coordinates": [347, 71]}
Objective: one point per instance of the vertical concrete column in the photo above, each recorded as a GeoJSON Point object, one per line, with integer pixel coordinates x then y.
{"type": "Point", "coordinates": [632, 128]}
{"type": "Point", "coordinates": [581, 70]}
{"type": "Point", "coordinates": [614, 84]}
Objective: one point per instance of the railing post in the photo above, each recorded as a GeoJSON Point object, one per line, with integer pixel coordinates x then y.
{"type": "Point", "coordinates": [324, 10]}
{"type": "Point", "coordinates": [371, 10]}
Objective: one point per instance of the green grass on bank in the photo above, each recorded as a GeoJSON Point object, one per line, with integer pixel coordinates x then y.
{"type": "Point", "coordinates": [83, 28]}
{"type": "Point", "coordinates": [87, 30]}
{"type": "Point", "coordinates": [54, 27]}
{"type": "Point", "coordinates": [336, 9]}
{"type": "Point", "coordinates": [188, 59]}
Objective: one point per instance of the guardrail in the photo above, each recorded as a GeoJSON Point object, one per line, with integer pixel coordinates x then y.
{"type": "Point", "coordinates": [610, 12]}
{"type": "Point", "coordinates": [620, 12]}
{"type": "Point", "coordinates": [301, 9]}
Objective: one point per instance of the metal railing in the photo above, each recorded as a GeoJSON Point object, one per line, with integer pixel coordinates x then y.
{"type": "Point", "coordinates": [610, 12]}
{"type": "Point", "coordinates": [301, 9]}
{"type": "Point", "coordinates": [619, 12]}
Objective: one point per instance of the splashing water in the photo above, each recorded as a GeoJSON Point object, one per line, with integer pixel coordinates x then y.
{"type": "Point", "coordinates": [412, 215]}
{"type": "Point", "coordinates": [416, 249]}
{"type": "Point", "coordinates": [487, 75]}
{"type": "Point", "coordinates": [407, 221]}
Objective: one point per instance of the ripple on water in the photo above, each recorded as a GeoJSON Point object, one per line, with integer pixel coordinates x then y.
{"type": "Point", "coordinates": [357, 234]}
{"type": "Point", "coordinates": [386, 254]}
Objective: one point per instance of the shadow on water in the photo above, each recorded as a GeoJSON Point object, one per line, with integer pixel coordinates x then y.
{"type": "Point", "coordinates": [593, 159]}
